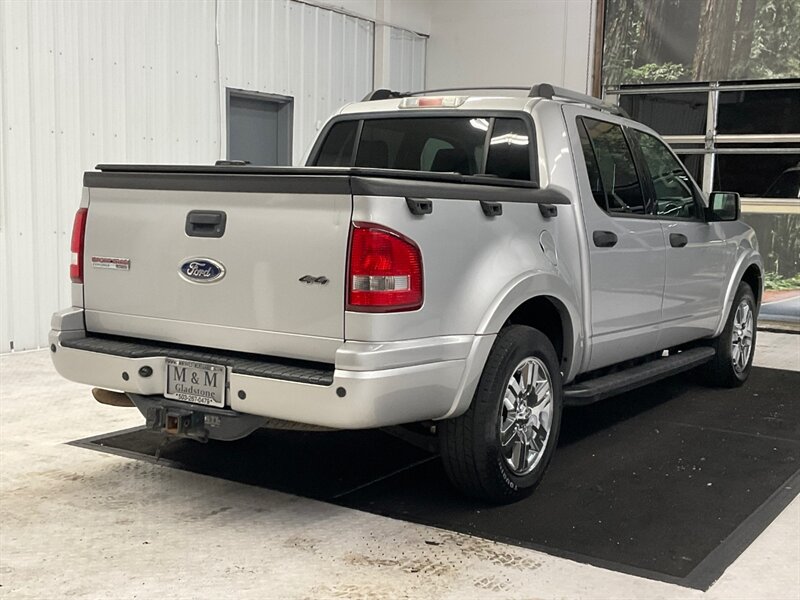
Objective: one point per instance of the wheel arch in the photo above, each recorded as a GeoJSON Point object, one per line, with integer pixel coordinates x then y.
{"type": "Point", "coordinates": [541, 300]}
{"type": "Point", "coordinates": [749, 269]}
{"type": "Point", "coordinates": [549, 315]}
{"type": "Point", "coordinates": [547, 303]}
{"type": "Point", "coordinates": [755, 279]}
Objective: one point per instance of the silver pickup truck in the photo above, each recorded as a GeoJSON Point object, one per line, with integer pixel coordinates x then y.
{"type": "Point", "coordinates": [469, 263]}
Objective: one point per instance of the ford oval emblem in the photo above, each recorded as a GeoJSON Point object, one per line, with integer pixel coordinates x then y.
{"type": "Point", "coordinates": [202, 270]}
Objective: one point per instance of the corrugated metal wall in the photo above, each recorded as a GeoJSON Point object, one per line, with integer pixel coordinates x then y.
{"type": "Point", "coordinates": [84, 82]}
{"type": "Point", "coordinates": [321, 58]}
{"type": "Point", "coordinates": [406, 60]}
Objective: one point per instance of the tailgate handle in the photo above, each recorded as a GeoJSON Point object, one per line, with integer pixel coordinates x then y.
{"type": "Point", "coordinates": [491, 209]}
{"type": "Point", "coordinates": [206, 223]}
{"type": "Point", "coordinates": [419, 206]}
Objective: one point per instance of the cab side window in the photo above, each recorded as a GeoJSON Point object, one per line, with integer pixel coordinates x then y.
{"type": "Point", "coordinates": [612, 172]}
{"type": "Point", "coordinates": [675, 194]}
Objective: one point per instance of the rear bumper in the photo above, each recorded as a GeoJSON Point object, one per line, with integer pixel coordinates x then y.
{"type": "Point", "coordinates": [373, 385]}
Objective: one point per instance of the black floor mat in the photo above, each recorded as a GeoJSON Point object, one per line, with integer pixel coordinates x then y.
{"type": "Point", "coordinates": [669, 482]}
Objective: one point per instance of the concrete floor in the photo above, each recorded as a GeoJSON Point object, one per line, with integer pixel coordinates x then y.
{"type": "Point", "coordinates": [81, 524]}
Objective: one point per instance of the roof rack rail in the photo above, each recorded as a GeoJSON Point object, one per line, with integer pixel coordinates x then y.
{"type": "Point", "coordinates": [383, 94]}
{"type": "Point", "coordinates": [540, 90]}
{"type": "Point", "coordinates": [547, 91]}
{"type": "Point", "coordinates": [469, 89]}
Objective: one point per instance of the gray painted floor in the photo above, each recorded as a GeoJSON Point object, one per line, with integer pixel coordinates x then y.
{"type": "Point", "coordinates": [82, 524]}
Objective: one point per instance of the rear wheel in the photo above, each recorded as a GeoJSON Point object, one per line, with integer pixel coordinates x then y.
{"type": "Point", "coordinates": [736, 344]}
{"type": "Point", "coordinates": [500, 448]}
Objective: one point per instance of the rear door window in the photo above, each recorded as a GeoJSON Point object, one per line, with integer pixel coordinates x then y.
{"type": "Point", "coordinates": [613, 159]}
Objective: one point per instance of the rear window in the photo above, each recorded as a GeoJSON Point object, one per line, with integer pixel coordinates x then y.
{"type": "Point", "coordinates": [439, 144]}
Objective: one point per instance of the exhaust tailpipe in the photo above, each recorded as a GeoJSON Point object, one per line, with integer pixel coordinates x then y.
{"type": "Point", "coordinates": [111, 398]}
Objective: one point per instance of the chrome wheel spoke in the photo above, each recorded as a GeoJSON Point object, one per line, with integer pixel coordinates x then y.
{"type": "Point", "coordinates": [527, 377]}
{"type": "Point", "coordinates": [537, 437]}
{"type": "Point", "coordinates": [518, 454]}
{"type": "Point", "coordinates": [509, 402]}
{"type": "Point", "coordinates": [507, 433]}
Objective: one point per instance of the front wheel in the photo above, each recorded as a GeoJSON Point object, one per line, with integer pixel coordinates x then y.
{"type": "Point", "coordinates": [736, 344]}
{"type": "Point", "coordinates": [500, 448]}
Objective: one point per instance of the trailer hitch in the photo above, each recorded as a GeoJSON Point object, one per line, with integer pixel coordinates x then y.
{"type": "Point", "coordinates": [177, 422]}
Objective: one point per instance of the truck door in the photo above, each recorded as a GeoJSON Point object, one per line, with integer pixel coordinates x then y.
{"type": "Point", "coordinates": [698, 259]}
{"type": "Point", "coordinates": [627, 256]}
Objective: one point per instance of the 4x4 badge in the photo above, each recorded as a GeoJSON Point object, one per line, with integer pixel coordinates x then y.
{"type": "Point", "coordinates": [311, 280]}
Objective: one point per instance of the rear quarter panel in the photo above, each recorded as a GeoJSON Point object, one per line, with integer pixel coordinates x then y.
{"type": "Point", "coordinates": [477, 269]}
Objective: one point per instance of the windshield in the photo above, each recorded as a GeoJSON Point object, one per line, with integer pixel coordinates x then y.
{"type": "Point", "coordinates": [440, 144]}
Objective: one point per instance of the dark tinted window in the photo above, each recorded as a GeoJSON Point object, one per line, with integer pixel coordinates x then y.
{"type": "Point", "coordinates": [675, 195]}
{"type": "Point", "coordinates": [440, 144]}
{"type": "Point", "coordinates": [509, 155]}
{"type": "Point", "coordinates": [753, 174]}
{"type": "Point", "coordinates": [337, 149]}
{"type": "Point", "coordinates": [433, 143]}
{"type": "Point", "coordinates": [759, 111]}
{"type": "Point", "coordinates": [787, 185]}
{"type": "Point", "coordinates": [592, 168]}
{"type": "Point", "coordinates": [623, 192]}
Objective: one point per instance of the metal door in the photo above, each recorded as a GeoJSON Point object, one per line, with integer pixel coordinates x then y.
{"type": "Point", "coordinates": [259, 128]}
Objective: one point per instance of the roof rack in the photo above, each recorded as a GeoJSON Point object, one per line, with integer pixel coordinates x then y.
{"type": "Point", "coordinates": [540, 90]}
{"type": "Point", "coordinates": [547, 91]}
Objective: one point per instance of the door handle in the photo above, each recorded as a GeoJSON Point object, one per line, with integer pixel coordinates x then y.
{"type": "Point", "coordinates": [206, 223]}
{"type": "Point", "coordinates": [678, 240]}
{"type": "Point", "coordinates": [604, 239]}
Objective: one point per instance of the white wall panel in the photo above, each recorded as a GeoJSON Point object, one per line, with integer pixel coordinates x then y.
{"type": "Point", "coordinates": [85, 82]}
{"type": "Point", "coordinates": [510, 42]}
{"type": "Point", "coordinates": [321, 58]}
{"type": "Point", "coordinates": [406, 60]}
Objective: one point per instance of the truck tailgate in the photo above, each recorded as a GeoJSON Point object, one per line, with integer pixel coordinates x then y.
{"type": "Point", "coordinates": [271, 241]}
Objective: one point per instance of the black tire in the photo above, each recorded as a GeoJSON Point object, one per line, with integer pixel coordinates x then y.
{"type": "Point", "coordinates": [470, 444]}
{"type": "Point", "coordinates": [721, 371]}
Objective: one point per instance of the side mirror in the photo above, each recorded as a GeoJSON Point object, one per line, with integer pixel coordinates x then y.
{"type": "Point", "coordinates": [723, 206]}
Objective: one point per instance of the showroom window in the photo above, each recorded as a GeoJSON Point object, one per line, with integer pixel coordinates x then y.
{"type": "Point", "coordinates": [606, 152]}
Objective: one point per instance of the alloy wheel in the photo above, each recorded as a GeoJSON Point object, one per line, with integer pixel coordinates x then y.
{"type": "Point", "coordinates": [742, 336]}
{"type": "Point", "coordinates": [526, 416]}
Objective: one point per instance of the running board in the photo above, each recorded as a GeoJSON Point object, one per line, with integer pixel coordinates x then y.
{"type": "Point", "coordinates": [586, 392]}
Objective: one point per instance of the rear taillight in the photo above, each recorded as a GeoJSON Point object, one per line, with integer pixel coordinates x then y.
{"type": "Point", "coordinates": [385, 273]}
{"type": "Point", "coordinates": [76, 245]}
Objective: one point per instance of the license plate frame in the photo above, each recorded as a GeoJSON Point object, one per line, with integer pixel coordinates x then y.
{"type": "Point", "coordinates": [195, 382]}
